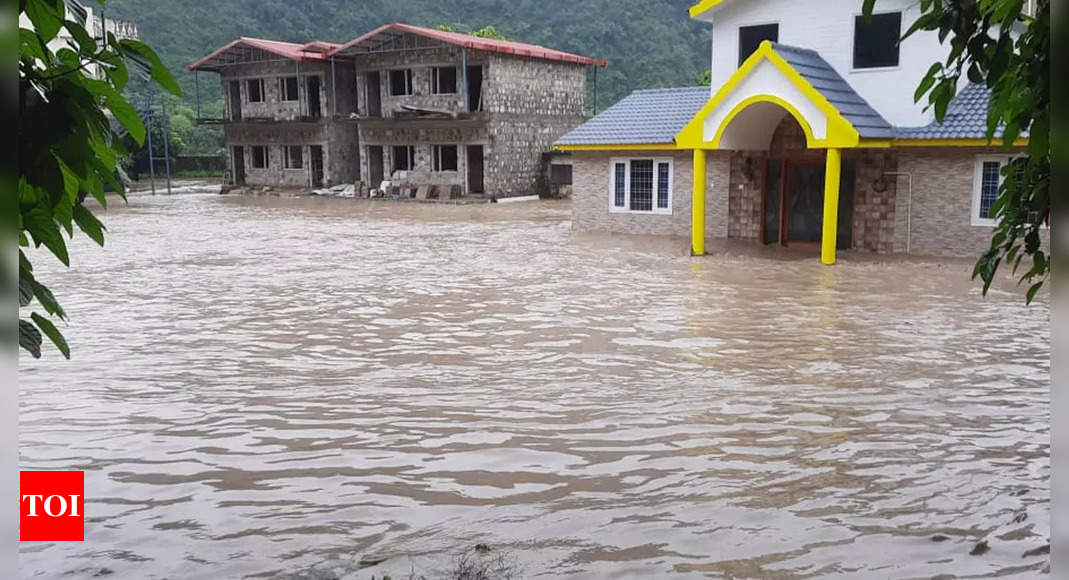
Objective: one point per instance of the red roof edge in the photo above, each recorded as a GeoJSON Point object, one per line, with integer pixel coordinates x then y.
{"type": "Point", "coordinates": [288, 50]}
{"type": "Point", "coordinates": [477, 43]}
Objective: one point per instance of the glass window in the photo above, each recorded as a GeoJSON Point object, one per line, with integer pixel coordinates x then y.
{"type": "Point", "coordinates": [876, 42]}
{"type": "Point", "coordinates": [641, 185]}
{"type": "Point", "coordinates": [619, 185]}
{"type": "Point", "coordinates": [750, 37]}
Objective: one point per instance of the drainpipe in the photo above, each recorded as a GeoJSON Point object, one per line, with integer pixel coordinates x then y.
{"type": "Point", "coordinates": [909, 201]}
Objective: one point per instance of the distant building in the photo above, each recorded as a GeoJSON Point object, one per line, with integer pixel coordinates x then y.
{"type": "Point", "coordinates": [96, 24]}
{"type": "Point", "coordinates": [452, 113]}
{"type": "Point", "coordinates": [809, 106]}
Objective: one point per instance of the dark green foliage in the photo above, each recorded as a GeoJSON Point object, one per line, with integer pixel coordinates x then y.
{"type": "Point", "coordinates": [67, 147]}
{"type": "Point", "coordinates": [649, 43]}
{"type": "Point", "coordinates": [995, 43]}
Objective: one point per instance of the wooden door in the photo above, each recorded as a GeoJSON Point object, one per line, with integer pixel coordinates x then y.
{"type": "Point", "coordinates": [235, 100]}
{"type": "Point", "coordinates": [475, 169]}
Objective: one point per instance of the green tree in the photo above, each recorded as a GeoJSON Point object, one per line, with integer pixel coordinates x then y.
{"type": "Point", "coordinates": [70, 92]}
{"type": "Point", "coordinates": [1005, 45]}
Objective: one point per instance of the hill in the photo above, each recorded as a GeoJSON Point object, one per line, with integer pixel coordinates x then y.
{"type": "Point", "coordinates": [649, 43]}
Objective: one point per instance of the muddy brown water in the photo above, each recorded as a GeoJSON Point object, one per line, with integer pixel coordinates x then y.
{"type": "Point", "coordinates": [262, 384]}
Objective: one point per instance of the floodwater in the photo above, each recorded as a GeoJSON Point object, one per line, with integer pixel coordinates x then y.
{"type": "Point", "coordinates": [259, 385]}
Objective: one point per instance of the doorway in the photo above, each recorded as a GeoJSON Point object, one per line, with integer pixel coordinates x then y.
{"type": "Point", "coordinates": [374, 162]}
{"type": "Point", "coordinates": [314, 108]}
{"type": "Point", "coordinates": [235, 100]}
{"type": "Point", "coordinates": [793, 202]}
{"type": "Point", "coordinates": [316, 153]}
{"type": "Point", "coordinates": [474, 78]}
{"type": "Point", "coordinates": [374, 94]}
{"type": "Point", "coordinates": [239, 165]}
{"type": "Point", "coordinates": [475, 169]}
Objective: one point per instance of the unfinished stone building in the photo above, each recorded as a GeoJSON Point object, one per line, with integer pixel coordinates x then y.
{"type": "Point", "coordinates": [422, 109]}
{"type": "Point", "coordinates": [282, 117]}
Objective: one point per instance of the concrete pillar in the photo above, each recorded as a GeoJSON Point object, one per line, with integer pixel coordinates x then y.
{"type": "Point", "coordinates": [832, 168]}
{"type": "Point", "coordinates": [697, 206]}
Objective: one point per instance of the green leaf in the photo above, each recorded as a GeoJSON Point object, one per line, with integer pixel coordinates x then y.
{"type": "Point", "coordinates": [140, 52]}
{"type": "Point", "coordinates": [52, 333]}
{"type": "Point", "coordinates": [46, 19]}
{"type": "Point", "coordinates": [866, 9]}
{"type": "Point", "coordinates": [29, 338]}
{"type": "Point", "coordinates": [44, 231]}
{"type": "Point", "coordinates": [126, 115]}
{"type": "Point", "coordinates": [25, 290]}
{"type": "Point", "coordinates": [85, 42]}
{"type": "Point", "coordinates": [1031, 294]}
{"type": "Point", "coordinates": [47, 300]}
{"type": "Point", "coordinates": [89, 224]}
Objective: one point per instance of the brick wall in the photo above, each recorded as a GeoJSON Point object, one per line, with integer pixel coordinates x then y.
{"type": "Point", "coordinates": [874, 210]}
{"type": "Point", "coordinates": [941, 214]}
{"type": "Point", "coordinates": [591, 190]}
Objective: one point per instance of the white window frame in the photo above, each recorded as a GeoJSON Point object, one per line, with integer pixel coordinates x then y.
{"type": "Point", "coordinates": [287, 160]}
{"type": "Point", "coordinates": [436, 82]}
{"type": "Point", "coordinates": [657, 161]}
{"type": "Point", "coordinates": [436, 158]}
{"type": "Point", "coordinates": [853, 41]}
{"type": "Point", "coordinates": [977, 186]}
{"type": "Point", "coordinates": [263, 91]}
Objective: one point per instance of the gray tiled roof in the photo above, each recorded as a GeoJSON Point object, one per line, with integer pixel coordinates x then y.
{"type": "Point", "coordinates": [966, 118]}
{"type": "Point", "coordinates": [652, 116]}
{"type": "Point", "coordinates": [820, 74]}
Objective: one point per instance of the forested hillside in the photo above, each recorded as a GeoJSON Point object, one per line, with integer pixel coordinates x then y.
{"type": "Point", "coordinates": [649, 43]}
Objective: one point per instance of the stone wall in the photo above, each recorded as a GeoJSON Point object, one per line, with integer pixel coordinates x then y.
{"type": "Point", "coordinates": [338, 141]}
{"type": "Point", "coordinates": [528, 86]}
{"type": "Point", "coordinates": [422, 63]}
{"type": "Point", "coordinates": [591, 191]}
{"type": "Point", "coordinates": [273, 107]}
{"type": "Point", "coordinates": [423, 135]}
{"type": "Point", "coordinates": [874, 210]}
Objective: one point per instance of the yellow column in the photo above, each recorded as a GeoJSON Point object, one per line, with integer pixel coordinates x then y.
{"type": "Point", "coordinates": [697, 205]}
{"type": "Point", "coordinates": [831, 206]}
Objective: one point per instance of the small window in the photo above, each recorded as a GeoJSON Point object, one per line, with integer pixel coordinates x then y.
{"type": "Point", "coordinates": [294, 156]}
{"type": "Point", "coordinates": [404, 157]}
{"type": "Point", "coordinates": [444, 80]}
{"type": "Point", "coordinates": [445, 157]}
{"type": "Point", "coordinates": [876, 42]}
{"type": "Point", "coordinates": [259, 157]}
{"type": "Point", "coordinates": [255, 89]}
{"type": "Point", "coordinates": [401, 82]}
{"type": "Point", "coordinates": [751, 37]}
{"type": "Point", "coordinates": [287, 88]}
{"type": "Point", "coordinates": [641, 185]}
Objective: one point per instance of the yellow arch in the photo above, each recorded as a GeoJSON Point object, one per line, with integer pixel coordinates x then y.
{"type": "Point", "coordinates": [810, 141]}
{"type": "Point", "coordinates": [841, 133]}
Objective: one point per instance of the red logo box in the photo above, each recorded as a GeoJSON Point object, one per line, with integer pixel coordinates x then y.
{"type": "Point", "coordinates": [51, 506]}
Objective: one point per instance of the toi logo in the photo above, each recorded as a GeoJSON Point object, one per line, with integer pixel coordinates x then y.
{"type": "Point", "coordinates": [51, 506]}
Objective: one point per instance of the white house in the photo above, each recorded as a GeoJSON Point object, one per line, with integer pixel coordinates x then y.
{"type": "Point", "coordinates": [808, 136]}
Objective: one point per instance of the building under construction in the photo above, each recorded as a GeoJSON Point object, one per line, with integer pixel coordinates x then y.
{"type": "Point", "coordinates": [443, 113]}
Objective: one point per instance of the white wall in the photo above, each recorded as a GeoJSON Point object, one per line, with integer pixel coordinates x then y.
{"type": "Point", "coordinates": [827, 26]}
